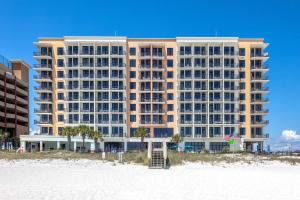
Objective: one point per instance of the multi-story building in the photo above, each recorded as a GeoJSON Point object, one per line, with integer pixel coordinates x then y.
{"type": "Point", "coordinates": [202, 88]}
{"type": "Point", "coordinates": [14, 102]}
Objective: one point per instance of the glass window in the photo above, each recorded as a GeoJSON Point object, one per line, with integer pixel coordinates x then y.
{"type": "Point", "coordinates": [132, 51]}
{"type": "Point", "coordinates": [132, 85]}
{"type": "Point", "coordinates": [132, 107]}
{"type": "Point", "coordinates": [170, 85]}
{"type": "Point", "coordinates": [170, 118]}
{"type": "Point", "coordinates": [170, 63]}
{"type": "Point", "coordinates": [60, 118]}
{"type": "Point", "coordinates": [60, 96]}
{"type": "Point", "coordinates": [132, 96]}
{"type": "Point", "coordinates": [170, 107]}
{"type": "Point", "coordinates": [170, 96]}
{"type": "Point", "coordinates": [132, 63]}
{"type": "Point", "coordinates": [170, 74]}
{"type": "Point", "coordinates": [60, 62]}
{"type": "Point", "coordinates": [60, 107]}
{"type": "Point", "coordinates": [60, 51]}
{"type": "Point", "coordinates": [60, 85]}
{"type": "Point", "coordinates": [132, 118]}
{"type": "Point", "coordinates": [132, 74]}
{"type": "Point", "coordinates": [170, 51]}
{"type": "Point", "coordinates": [242, 51]}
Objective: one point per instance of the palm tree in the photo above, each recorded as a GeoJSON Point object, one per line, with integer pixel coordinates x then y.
{"type": "Point", "coordinates": [69, 132]}
{"type": "Point", "coordinates": [177, 139]}
{"type": "Point", "coordinates": [96, 136]}
{"type": "Point", "coordinates": [84, 131]}
{"type": "Point", "coordinates": [142, 133]}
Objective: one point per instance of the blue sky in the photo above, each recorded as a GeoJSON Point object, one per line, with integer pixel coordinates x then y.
{"type": "Point", "coordinates": [22, 22]}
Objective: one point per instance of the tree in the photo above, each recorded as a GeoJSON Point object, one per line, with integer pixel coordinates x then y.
{"type": "Point", "coordinates": [177, 139]}
{"type": "Point", "coordinates": [141, 133]}
{"type": "Point", "coordinates": [69, 132]}
{"type": "Point", "coordinates": [84, 131]}
{"type": "Point", "coordinates": [1, 138]}
{"type": "Point", "coordinates": [96, 136]}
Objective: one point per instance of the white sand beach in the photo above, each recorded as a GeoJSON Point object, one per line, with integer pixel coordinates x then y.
{"type": "Point", "coordinates": [87, 179]}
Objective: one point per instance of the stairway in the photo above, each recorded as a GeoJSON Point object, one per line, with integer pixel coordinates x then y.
{"type": "Point", "coordinates": [157, 160]}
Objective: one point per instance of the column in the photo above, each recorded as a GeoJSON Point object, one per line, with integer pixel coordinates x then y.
{"type": "Point", "coordinates": [149, 149]}
{"type": "Point", "coordinates": [57, 145]}
{"type": "Point", "coordinates": [92, 149]}
{"type": "Point", "coordinates": [125, 146]}
{"type": "Point", "coordinates": [102, 146]}
{"type": "Point", "coordinates": [74, 146]}
{"type": "Point", "coordinates": [41, 146]}
{"type": "Point", "coordinates": [207, 145]}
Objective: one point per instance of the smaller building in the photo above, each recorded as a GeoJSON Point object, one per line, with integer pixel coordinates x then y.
{"type": "Point", "coordinates": [14, 97]}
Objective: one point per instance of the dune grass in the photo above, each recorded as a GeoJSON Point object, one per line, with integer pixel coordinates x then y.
{"type": "Point", "coordinates": [175, 158]}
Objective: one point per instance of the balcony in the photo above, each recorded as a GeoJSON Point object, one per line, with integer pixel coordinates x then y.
{"type": "Point", "coordinates": [266, 100]}
{"type": "Point", "coordinates": [259, 68]}
{"type": "Point", "coordinates": [117, 53]}
{"type": "Point", "coordinates": [42, 78]}
{"type": "Point", "coordinates": [145, 111]}
{"type": "Point", "coordinates": [186, 121]}
{"type": "Point", "coordinates": [264, 89]}
{"type": "Point", "coordinates": [38, 122]}
{"type": "Point", "coordinates": [102, 53]}
{"type": "Point", "coordinates": [263, 122]}
{"type": "Point", "coordinates": [260, 79]}
{"type": "Point", "coordinates": [43, 89]}
{"type": "Point", "coordinates": [42, 55]}
{"type": "Point", "coordinates": [259, 112]}
{"type": "Point", "coordinates": [145, 54]}
{"type": "Point", "coordinates": [43, 111]}
{"type": "Point", "coordinates": [144, 68]}
{"type": "Point", "coordinates": [158, 68]}
{"type": "Point", "coordinates": [39, 67]}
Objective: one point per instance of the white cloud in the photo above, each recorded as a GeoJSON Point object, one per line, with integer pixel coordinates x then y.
{"type": "Point", "coordinates": [289, 135]}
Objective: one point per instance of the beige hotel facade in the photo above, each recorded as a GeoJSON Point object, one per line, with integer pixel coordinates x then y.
{"type": "Point", "coordinates": [203, 88]}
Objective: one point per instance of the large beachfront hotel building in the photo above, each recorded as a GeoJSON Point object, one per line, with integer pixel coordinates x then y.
{"type": "Point", "coordinates": [203, 88]}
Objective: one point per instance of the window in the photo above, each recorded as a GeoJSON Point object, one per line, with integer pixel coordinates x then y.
{"type": "Point", "coordinates": [132, 51]}
{"type": "Point", "coordinates": [132, 96]}
{"type": "Point", "coordinates": [170, 107]}
{"type": "Point", "coordinates": [60, 85]}
{"type": "Point", "coordinates": [60, 107]}
{"type": "Point", "coordinates": [242, 96]}
{"type": "Point", "coordinates": [60, 96]}
{"type": "Point", "coordinates": [132, 85]}
{"type": "Point", "coordinates": [242, 118]}
{"type": "Point", "coordinates": [60, 51]}
{"type": "Point", "coordinates": [170, 85]}
{"type": "Point", "coordinates": [242, 51]}
{"type": "Point", "coordinates": [170, 96]}
{"type": "Point", "coordinates": [170, 51]}
{"type": "Point", "coordinates": [170, 75]}
{"type": "Point", "coordinates": [132, 74]}
{"type": "Point", "coordinates": [60, 118]}
{"type": "Point", "coordinates": [170, 63]}
{"type": "Point", "coordinates": [132, 107]}
{"type": "Point", "coordinates": [170, 118]}
{"type": "Point", "coordinates": [242, 131]}
{"type": "Point", "coordinates": [132, 118]}
{"type": "Point", "coordinates": [60, 74]}
{"type": "Point", "coordinates": [242, 63]}
{"type": "Point", "coordinates": [60, 62]}
{"type": "Point", "coordinates": [132, 63]}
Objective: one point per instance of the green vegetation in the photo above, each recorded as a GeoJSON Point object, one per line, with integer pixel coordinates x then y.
{"type": "Point", "coordinates": [141, 133]}
{"type": "Point", "coordinates": [175, 158]}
